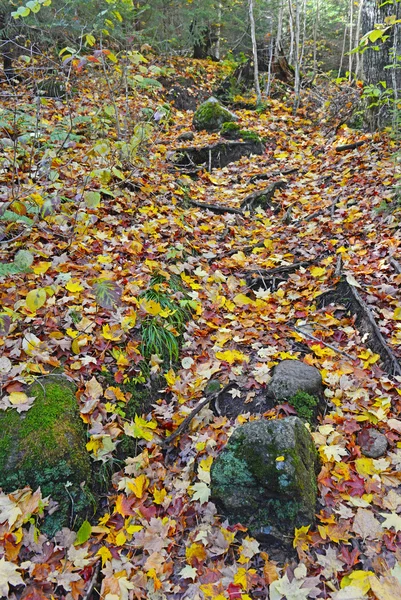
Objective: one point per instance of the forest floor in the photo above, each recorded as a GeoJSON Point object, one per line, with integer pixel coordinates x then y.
{"type": "Point", "coordinates": [159, 535]}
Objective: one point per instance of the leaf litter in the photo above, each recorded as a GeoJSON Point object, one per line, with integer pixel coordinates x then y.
{"type": "Point", "coordinates": [80, 307]}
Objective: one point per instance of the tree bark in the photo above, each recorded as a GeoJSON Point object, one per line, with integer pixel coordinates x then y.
{"type": "Point", "coordinates": [255, 52]}
{"type": "Point", "coordinates": [376, 60]}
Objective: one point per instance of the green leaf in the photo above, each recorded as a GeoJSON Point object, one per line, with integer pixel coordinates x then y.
{"type": "Point", "coordinates": [23, 11]}
{"type": "Point", "coordinates": [83, 533]}
{"type": "Point", "coordinates": [92, 199]}
{"type": "Point", "coordinates": [23, 259]}
{"type": "Point", "coordinates": [12, 217]}
{"type": "Point", "coordinates": [375, 35]}
{"type": "Point", "coordinates": [107, 293]}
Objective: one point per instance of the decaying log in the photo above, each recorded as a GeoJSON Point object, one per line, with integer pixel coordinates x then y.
{"type": "Point", "coordinates": [347, 296]}
{"type": "Point", "coordinates": [262, 197]}
{"type": "Point", "coordinates": [216, 155]}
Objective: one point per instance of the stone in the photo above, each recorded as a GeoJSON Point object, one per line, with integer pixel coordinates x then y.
{"type": "Point", "coordinates": [373, 443]}
{"type": "Point", "coordinates": [187, 136]}
{"type": "Point", "coordinates": [45, 447]}
{"type": "Point", "coordinates": [265, 478]}
{"type": "Point", "coordinates": [292, 376]}
{"type": "Point", "coordinates": [211, 115]}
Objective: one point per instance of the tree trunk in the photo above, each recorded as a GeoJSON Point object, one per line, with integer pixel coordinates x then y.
{"type": "Point", "coordinates": [255, 52]}
{"type": "Point", "coordinates": [376, 61]}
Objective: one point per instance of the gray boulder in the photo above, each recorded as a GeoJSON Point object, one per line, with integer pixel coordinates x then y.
{"type": "Point", "coordinates": [265, 478]}
{"type": "Point", "coordinates": [292, 376]}
{"type": "Point", "coordinates": [211, 115]}
{"type": "Point", "coordinates": [373, 443]}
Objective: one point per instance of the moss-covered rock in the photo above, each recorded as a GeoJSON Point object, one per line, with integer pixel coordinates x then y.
{"type": "Point", "coordinates": [45, 447]}
{"type": "Point", "coordinates": [211, 115]}
{"type": "Point", "coordinates": [265, 477]}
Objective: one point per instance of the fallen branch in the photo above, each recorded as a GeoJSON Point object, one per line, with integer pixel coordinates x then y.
{"type": "Point", "coordinates": [274, 174]}
{"type": "Point", "coordinates": [350, 146]}
{"type": "Point", "coordinates": [167, 441]}
{"type": "Point", "coordinates": [216, 208]}
{"type": "Point", "coordinates": [395, 365]}
{"type": "Point", "coordinates": [268, 273]}
{"type": "Point", "coordinates": [315, 339]}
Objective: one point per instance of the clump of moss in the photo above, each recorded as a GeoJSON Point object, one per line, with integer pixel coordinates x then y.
{"type": "Point", "coordinates": [305, 405]}
{"type": "Point", "coordinates": [211, 115]}
{"type": "Point", "coordinates": [45, 447]}
{"type": "Point", "coordinates": [232, 131]}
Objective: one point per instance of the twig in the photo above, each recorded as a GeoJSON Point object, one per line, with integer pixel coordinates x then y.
{"type": "Point", "coordinates": [350, 146]}
{"type": "Point", "coordinates": [93, 582]}
{"type": "Point", "coordinates": [267, 273]}
{"type": "Point", "coordinates": [312, 337]}
{"type": "Point", "coordinates": [216, 208]}
{"type": "Point", "coordinates": [14, 238]}
{"type": "Point", "coordinates": [191, 415]}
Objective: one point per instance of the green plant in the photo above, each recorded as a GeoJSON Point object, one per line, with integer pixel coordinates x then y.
{"type": "Point", "coordinates": [161, 335]}
{"type": "Point", "coordinates": [305, 404]}
{"type": "Point", "coordinates": [21, 264]}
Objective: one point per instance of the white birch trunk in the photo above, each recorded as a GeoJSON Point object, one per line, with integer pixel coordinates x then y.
{"type": "Point", "coordinates": [255, 52]}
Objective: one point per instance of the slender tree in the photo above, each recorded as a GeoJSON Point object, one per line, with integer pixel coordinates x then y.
{"type": "Point", "coordinates": [254, 51]}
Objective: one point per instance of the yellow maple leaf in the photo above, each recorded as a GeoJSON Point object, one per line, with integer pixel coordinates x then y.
{"type": "Point", "coordinates": [317, 271]}
{"type": "Point", "coordinates": [139, 485]}
{"type": "Point", "coordinates": [74, 286]}
{"type": "Point", "coordinates": [151, 307]}
{"type": "Point", "coordinates": [104, 554]}
{"type": "Point", "coordinates": [232, 356]}
{"type": "Point", "coordinates": [397, 314]}
{"type": "Point", "coordinates": [242, 300]}
{"type": "Point", "coordinates": [240, 578]}
{"type": "Point", "coordinates": [159, 495]}
{"type": "Point", "coordinates": [364, 466]}
{"type": "Point", "coordinates": [35, 299]}
{"type": "Point", "coordinates": [302, 538]}
{"type": "Point", "coordinates": [18, 398]}
{"type": "Point", "coordinates": [195, 551]}
{"type": "Point", "coordinates": [206, 463]}
{"type": "Point", "coordinates": [111, 333]}
{"type": "Point", "coordinates": [121, 538]}
{"type": "Point", "coordinates": [41, 267]}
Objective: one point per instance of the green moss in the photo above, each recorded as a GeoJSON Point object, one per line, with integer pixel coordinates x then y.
{"type": "Point", "coordinates": [45, 447]}
{"type": "Point", "coordinates": [233, 131]}
{"type": "Point", "coordinates": [249, 136]}
{"type": "Point", "coordinates": [230, 128]}
{"type": "Point", "coordinates": [211, 115]}
{"type": "Point", "coordinates": [305, 405]}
